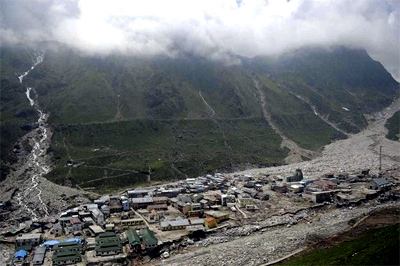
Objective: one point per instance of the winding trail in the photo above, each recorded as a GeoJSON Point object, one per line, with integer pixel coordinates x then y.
{"type": "Point", "coordinates": [295, 152]}
{"type": "Point", "coordinates": [30, 194]}
{"type": "Point", "coordinates": [215, 121]}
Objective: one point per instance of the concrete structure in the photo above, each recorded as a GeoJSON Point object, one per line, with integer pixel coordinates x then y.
{"type": "Point", "coordinates": [105, 209]}
{"type": "Point", "coordinates": [38, 258]}
{"type": "Point", "coordinates": [141, 203]}
{"type": "Point", "coordinates": [210, 222]}
{"type": "Point", "coordinates": [198, 221]}
{"type": "Point", "coordinates": [158, 207]}
{"type": "Point", "coordinates": [194, 228]}
{"type": "Point", "coordinates": [131, 222]}
{"type": "Point", "coordinates": [218, 215]}
{"type": "Point", "coordinates": [379, 184]}
{"type": "Point", "coordinates": [75, 225]}
{"type": "Point", "coordinates": [115, 206]}
{"type": "Point", "coordinates": [227, 199]}
{"type": "Point", "coordinates": [160, 200]}
{"type": "Point", "coordinates": [243, 201]}
{"type": "Point", "coordinates": [97, 216]}
{"type": "Point", "coordinates": [27, 241]}
{"type": "Point", "coordinates": [176, 224]}
{"type": "Point", "coordinates": [125, 205]}
{"type": "Point", "coordinates": [321, 196]}
{"type": "Point", "coordinates": [138, 193]}
{"type": "Point", "coordinates": [57, 230]}
{"type": "Point", "coordinates": [96, 230]}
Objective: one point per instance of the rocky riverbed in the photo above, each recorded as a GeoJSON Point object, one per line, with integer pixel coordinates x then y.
{"type": "Point", "coordinates": [31, 195]}
{"type": "Point", "coordinates": [268, 244]}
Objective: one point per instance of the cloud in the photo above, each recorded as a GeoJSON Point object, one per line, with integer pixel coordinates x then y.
{"type": "Point", "coordinates": [216, 29]}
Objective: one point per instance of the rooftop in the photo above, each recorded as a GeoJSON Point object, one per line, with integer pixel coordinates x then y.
{"type": "Point", "coordinates": [75, 220]}
{"type": "Point", "coordinates": [28, 236]}
{"type": "Point", "coordinates": [148, 236]}
{"type": "Point", "coordinates": [176, 222]}
{"type": "Point", "coordinates": [380, 181]}
{"type": "Point", "coordinates": [142, 200]}
{"type": "Point", "coordinates": [133, 237]}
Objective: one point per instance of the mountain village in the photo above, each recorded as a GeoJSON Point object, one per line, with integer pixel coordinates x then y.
{"type": "Point", "coordinates": [154, 223]}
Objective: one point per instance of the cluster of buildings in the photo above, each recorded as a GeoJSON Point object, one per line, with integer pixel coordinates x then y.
{"type": "Point", "coordinates": [115, 227]}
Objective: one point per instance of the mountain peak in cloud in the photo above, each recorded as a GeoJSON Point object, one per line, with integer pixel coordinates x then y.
{"type": "Point", "coordinates": [214, 29]}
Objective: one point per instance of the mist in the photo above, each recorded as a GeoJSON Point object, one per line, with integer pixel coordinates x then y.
{"type": "Point", "coordinates": [214, 29]}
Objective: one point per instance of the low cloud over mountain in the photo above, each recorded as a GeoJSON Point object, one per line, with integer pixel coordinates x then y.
{"type": "Point", "coordinates": [217, 29]}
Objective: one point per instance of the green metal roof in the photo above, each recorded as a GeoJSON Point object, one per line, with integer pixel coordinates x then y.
{"type": "Point", "coordinates": [133, 237]}
{"type": "Point", "coordinates": [25, 247]}
{"type": "Point", "coordinates": [65, 245]}
{"type": "Point", "coordinates": [148, 237]}
{"type": "Point", "coordinates": [66, 255]}
{"type": "Point", "coordinates": [107, 235]}
{"type": "Point", "coordinates": [109, 247]}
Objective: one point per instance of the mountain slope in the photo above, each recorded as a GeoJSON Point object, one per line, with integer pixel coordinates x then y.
{"type": "Point", "coordinates": [127, 120]}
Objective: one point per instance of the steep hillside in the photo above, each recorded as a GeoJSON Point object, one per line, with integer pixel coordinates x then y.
{"type": "Point", "coordinates": [16, 115]}
{"type": "Point", "coordinates": [393, 127]}
{"type": "Point", "coordinates": [127, 120]}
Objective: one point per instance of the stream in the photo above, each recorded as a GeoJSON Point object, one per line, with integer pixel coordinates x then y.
{"type": "Point", "coordinates": [30, 195]}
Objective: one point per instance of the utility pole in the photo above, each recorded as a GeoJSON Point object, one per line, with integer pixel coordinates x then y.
{"type": "Point", "coordinates": [380, 159]}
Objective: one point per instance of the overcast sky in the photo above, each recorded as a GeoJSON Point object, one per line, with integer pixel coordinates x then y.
{"type": "Point", "coordinates": [215, 29]}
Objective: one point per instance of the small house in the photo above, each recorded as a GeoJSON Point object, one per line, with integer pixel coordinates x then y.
{"type": "Point", "coordinates": [210, 222]}
{"type": "Point", "coordinates": [379, 184]}
{"type": "Point", "coordinates": [176, 224]}
{"type": "Point", "coordinates": [149, 241]}
{"type": "Point", "coordinates": [219, 216]}
{"type": "Point", "coordinates": [57, 230]}
{"type": "Point", "coordinates": [20, 255]}
{"type": "Point", "coordinates": [38, 258]}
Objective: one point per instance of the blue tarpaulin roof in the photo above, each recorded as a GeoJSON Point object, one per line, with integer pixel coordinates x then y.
{"type": "Point", "coordinates": [21, 254]}
{"type": "Point", "coordinates": [51, 242]}
{"type": "Point", "coordinates": [77, 240]}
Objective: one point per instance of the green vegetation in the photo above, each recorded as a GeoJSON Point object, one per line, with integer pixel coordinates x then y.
{"type": "Point", "coordinates": [16, 114]}
{"type": "Point", "coordinates": [375, 247]}
{"type": "Point", "coordinates": [296, 118]}
{"type": "Point", "coordinates": [393, 126]}
{"type": "Point", "coordinates": [120, 154]}
{"type": "Point", "coordinates": [121, 116]}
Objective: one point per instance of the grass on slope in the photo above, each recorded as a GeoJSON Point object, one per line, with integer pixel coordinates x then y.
{"type": "Point", "coordinates": [393, 126]}
{"type": "Point", "coordinates": [120, 154]}
{"type": "Point", "coordinates": [296, 119]}
{"type": "Point", "coordinates": [375, 247]}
